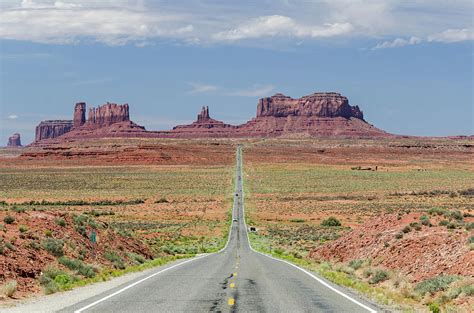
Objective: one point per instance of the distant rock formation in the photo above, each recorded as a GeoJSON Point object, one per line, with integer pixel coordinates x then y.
{"type": "Point", "coordinates": [101, 117]}
{"type": "Point", "coordinates": [14, 141]}
{"type": "Point", "coordinates": [79, 114]}
{"type": "Point", "coordinates": [52, 129]}
{"type": "Point", "coordinates": [317, 115]}
{"type": "Point", "coordinates": [107, 114]}
{"type": "Point", "coordinates": [327, 114]}
{"type": "Point", "coordinates": [204, 126]}
{"type": "Point", "coordinates": [327, 104]}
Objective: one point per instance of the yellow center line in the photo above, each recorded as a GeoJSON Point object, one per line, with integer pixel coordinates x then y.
{"type": "Point", "coordinates": [235, 274]}
{"type": "Point", "coordinates": [232, 285]}
{"type": "Point", "coordinates": [231, 301]}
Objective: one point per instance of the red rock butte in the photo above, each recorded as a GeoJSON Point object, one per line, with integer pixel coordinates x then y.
{"type": "Point", "coordinates": [317, 115]}
{"type": "Point", "coordinates": [14, 140]}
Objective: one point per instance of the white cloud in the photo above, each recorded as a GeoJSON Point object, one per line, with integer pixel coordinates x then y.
{"type": "Point", "coordinates": [68, 23]}
{"type": "Point", "coordinates": [12, 117]}
{"type": "Point", "coordinates": [398, 42]}
{"type": "Point", "coordinates": [202, 88]}
{"type": "Point", "coordinates": [204, 22]}
{"type": "Point", "coordinates": [447, 36]}
{"type": "Point", "coordinates": [278, 25]}
{"type": "Point", "coordinates": [453, 35]}
{"type": "Point", "coordinates": [256, 91]}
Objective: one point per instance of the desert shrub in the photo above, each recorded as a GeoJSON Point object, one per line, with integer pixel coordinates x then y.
{"type": "Point", "coordinates": [60, 221]}
{"type": "Point", "coordinates": [9, 288]}
{"type": "Point", "coordinates": [93, 224]}
{"type": "Point", "coordinates": [415, 226]}
{"type": "Point", "coordinates": [81, 229]}
{"type": "Point", "coordinates": [425, 220]}
{"type": "Point", "coordinates": [471, 239]}
{"type": "Point", "coordinates": [434, 307]}
{"type": "Point", "coordinates": [466, 289]}
{"type": "Point", "coordinates": [54, 246]}
{"type": "Point", "coordinates": [10, 246]}
{"type": "Point", "coordinates": [356, 264]}
{"type": "Point", "coordinates": [399, 235]}
{"type": "Point", "coordinates": [406, 229]}
{"type": "Point", "coordinates": [8, 219]}
{"type": "Point", "coordinates": [80, 219]}
{"type": "Point", "coordinates": [162, 200]}
{"type": "Point", "coordinates": [78, 266]}
{"type": "Point", "coordinates": [48, 233]}
{"type": "Point", "coordinates": [435, 284]}
{"type": "Point", "coordinates": [443, 223]}
{"type": "Point", "coordinates": [297, 220]}
{"type": "Point", "coordinates": [115, 259]}
{"type": "Point", "coordinates": [451, 225]}
{"type": "Point", "coordinates": [54, 279]}
{"type": "Point", "coordinates": [470, 226]}
{"type": "Point", "coordinates": [467, 193]}
{"type": "Point", "coordinates": [18, 209]}
{"type": "Point", "coordinates": [136, 258]}
{"type": "Point", "coordinates": [457, 215]}
{"type": "Point", "coordinates": [379, 276]}
{"type": "Point", "coordinates": [34, 245]}
{"type": "Point", "coordinates": [331, 221]}
{"type": "Point", "coordinates": [23, 229]}
{"type": "Point", "coordinates": [278, 251]}
{"type": "Point", "coordinates": [2, 248]}
{"type": "Point", "coordinates": [437, 211]}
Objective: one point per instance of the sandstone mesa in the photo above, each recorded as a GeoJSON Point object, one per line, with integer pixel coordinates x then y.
{"type": "Point", "coordinates": [326, 114]}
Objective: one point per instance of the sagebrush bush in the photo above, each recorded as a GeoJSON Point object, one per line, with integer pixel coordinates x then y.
{"type": "Point", "coordinates": [60, 221]}
{"type": "Point", "coordinates": [379, 276]}
{"type": "Point", "coordinates": [331, 221]}
{"type": "Point", "coordinates": [54, 246]}
{"type": "Point", "coordinates": [78, 266]}
{"type": "Point", "coordinates": [356, 264]}
{"type": "Point", "coordinates": [116, 260]}
{"type": "Point", "coordinates": [435, 284]}
{"type": "Point", "coordinates": [8, 219]}
{"type": "Point", "coordinates": [9, 288]}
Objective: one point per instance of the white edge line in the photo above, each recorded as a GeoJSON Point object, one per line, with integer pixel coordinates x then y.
{"type": "Point", "coordinates": [164, 270]}
{"type": "Point", "coordinates": [322, 282]}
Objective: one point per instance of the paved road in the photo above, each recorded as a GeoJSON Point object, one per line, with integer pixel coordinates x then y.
{"type": "Point", "coordinates": [236, 279]}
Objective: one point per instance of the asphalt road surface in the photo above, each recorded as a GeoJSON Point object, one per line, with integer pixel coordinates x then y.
{"type": "Point", "coordinates": [236, 279]}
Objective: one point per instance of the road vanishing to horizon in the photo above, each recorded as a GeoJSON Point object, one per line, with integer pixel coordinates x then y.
{"type": "Point", "coordinates": [235, 279]}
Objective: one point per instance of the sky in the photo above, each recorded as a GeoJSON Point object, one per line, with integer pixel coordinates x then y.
{"type": "Point", "coordinates": [407, 64]}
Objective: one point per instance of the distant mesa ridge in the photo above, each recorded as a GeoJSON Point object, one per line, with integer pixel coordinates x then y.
{"type": "Point", "coordinates": [321, 114]}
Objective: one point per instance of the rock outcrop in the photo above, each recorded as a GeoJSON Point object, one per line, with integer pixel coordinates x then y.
{"type": "Point", "coordinates": [52, 129]}
{"type": "Point", "coordinates": [327, 114]}
{"type": "Point", "coordinates": [79, 114]}
{"type": "Point", "coordinates": [14, 141]}
{"type": "Point", "coordinates": [107, 114]}
{"type": "Point", "coordinates": [327, 104]}
{"type": "Point", "coordinates": [204, 126]}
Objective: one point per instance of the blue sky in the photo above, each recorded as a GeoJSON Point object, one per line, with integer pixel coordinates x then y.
{"type": "Point", "coordinates": [408, 65]}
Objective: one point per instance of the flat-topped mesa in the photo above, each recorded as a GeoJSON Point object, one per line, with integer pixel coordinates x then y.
{"type": "Point", "coordinates": [107, 114]}
{"type": "Point", "coordinates": [14, 140]}
{"type": "Point", "coordinates": [327, 104]}
{"type": "Point", "coordinates": [52, 129]}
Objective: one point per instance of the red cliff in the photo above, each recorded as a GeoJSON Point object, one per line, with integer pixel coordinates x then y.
{"type": "Point", "coordinates": [14, 141]}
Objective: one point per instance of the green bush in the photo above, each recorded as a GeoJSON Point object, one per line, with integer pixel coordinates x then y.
{"type": "Point", "coordinates": [457, 215]}
{"type": "Point", "coordinates": [331, 221]}
{"type": "Point", "coordinates": [297, 220]}
{"type": "Point", "coordinates": [379, 276]}
{"type": "Point", "coordinates": [8, 219]}
{"type": "Point", "coordinates": [23, 229]}
{"type": "Point", "coordinates": [434, 307]}
{"type": "Point", "coordinates": [425, 220]}
{"type": "Point", "coordinates": [9, 288]}
{"type": "Point", "coordinates": [471, 239]}
{"type": "Point", "coordinates": [443, 223]}
{"type": "Point", "coordinates": [116, 260]}
{"type": "Point", "coordinates": [18, 210]}
{"type": "Point", "coordinates": [53, 280]}
{"type": "Point", "coordinates": [136, 258]}
{"type": "Point", "coordinates": [356, 264]}
{"type": "Point", "coordinates": [435, 284]}
{"type": "Point", "coordinates": [78, 266]}
{"type": "Point", "coordinates": [60, 221]}
{"type": "Point", "coordinates": [54, 246]}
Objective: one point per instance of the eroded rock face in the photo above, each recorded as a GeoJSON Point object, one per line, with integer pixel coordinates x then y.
{"type": "Point", "coordinates": [52, 129]}
{"type": "Point", "coordinates": [14, 141]}
{"type": "Point", "coordinates": [107, 114]}
{"type": "Point", "coordinates": [328, 104]}
{"type": "Point", "coordinates": [204, 126]}
{"type": "Point", "coordinates": [79, 114]}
